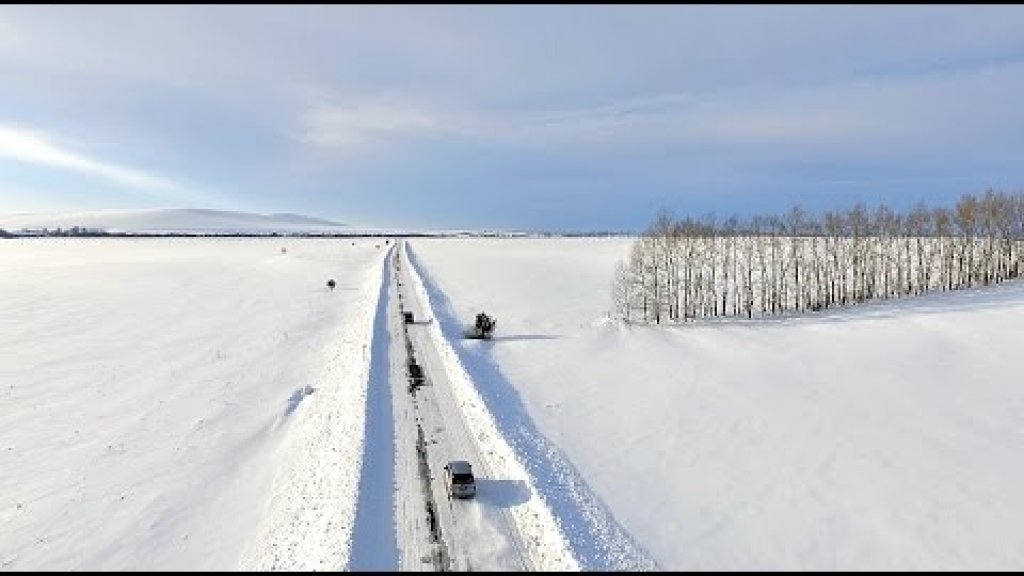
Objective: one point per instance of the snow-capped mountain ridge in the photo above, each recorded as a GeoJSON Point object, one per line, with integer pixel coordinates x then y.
{"type": "Point", "coordinates": [172, 220]}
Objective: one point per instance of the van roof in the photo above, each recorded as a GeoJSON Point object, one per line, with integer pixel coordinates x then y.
{"type": "Point", "coordinates": [460, 467]}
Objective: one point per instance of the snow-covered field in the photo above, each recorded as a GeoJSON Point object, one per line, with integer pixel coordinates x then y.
{"type": "Point", "coordinates": [886, 436]}
{"type": "Point", "coordinates": [182, 403]}
{"type": "Point", "coordinates": [193, 403]}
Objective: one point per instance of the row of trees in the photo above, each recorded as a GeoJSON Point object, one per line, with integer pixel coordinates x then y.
{"type": "Point", "coordinates": [685, 269]}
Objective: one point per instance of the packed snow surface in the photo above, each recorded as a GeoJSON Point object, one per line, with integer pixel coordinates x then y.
{"type": "Point", "coordinates": [183, 403]}
{"type": "Point", "coordinates": [884, 436]}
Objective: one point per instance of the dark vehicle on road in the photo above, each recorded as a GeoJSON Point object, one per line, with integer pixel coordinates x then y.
{"type": "Point", "coordinates": [458, 477]}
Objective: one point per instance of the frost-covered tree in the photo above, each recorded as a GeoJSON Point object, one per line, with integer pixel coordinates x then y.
{"type": "Point", "coordinates": [686, 269]}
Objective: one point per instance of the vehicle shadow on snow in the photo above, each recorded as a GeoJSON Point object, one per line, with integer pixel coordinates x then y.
{"type": "Point", "coordinates": [995, 296]}
{"type": "Point", "coordinates": [502, 493]}
{"type": "Point", "coordinates": [522, 337]}
{"type": "Point", "coordinates": [597, 540]}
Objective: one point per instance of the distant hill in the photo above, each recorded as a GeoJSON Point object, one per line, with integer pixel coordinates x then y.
{"type": "Point", "coordinates": [173, 220]}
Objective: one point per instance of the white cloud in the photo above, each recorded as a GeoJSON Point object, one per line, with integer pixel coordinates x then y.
{"type": "Point", "coordinates": [347, 127]}
{"type": "Point", "coordinates": [35, 148]}
{"type": "Point", "coordinates": [947, 113]}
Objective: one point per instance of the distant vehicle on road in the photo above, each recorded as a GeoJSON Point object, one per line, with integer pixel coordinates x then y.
{"type": "Point", "coordinates": [458, 477]}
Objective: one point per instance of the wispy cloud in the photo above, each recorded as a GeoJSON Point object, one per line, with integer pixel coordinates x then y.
{"type": "Point", "coordinates": [858, 116]}
{"type": "Point", "coordinates": [351, 126]}
{"type": "Point", "coordinates": [33, 147]}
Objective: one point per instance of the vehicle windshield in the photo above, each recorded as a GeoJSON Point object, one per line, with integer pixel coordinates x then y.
{"type": "Point", "coordinates": [462, 478]}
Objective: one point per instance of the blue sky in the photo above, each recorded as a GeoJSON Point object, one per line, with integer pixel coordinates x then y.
{"type": "Point", "coordinates": [525, 117]}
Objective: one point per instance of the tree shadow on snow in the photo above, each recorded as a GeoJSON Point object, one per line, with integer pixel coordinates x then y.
{"type": "Point", "coordinates": [296, 398]}
{"type": "Point", "coordinates": [597, 540]}
{"type": "Point", "coordinates": [996, 296]}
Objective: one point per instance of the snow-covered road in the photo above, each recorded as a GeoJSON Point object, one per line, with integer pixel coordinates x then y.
{"type": "Point", "coordinates": [507, 526]}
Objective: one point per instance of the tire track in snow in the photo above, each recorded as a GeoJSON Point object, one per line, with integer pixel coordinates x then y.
{"type": "Point", "coordinates": [421, 545]}
{"type": "Point", "coordinates": [597, 541]}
